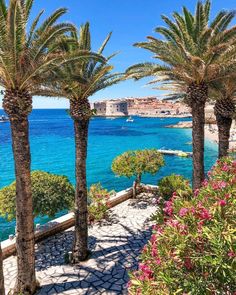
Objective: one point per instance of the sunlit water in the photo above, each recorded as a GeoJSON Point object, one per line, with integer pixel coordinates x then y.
{"type": "Point", "coordinates": [52, 148]}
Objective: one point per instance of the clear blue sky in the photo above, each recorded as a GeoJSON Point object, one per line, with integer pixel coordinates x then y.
{"type": "Point", "coordinates": [130, 21]}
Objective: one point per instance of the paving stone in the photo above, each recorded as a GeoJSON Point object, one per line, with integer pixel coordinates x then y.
{"type": "Point", "coordinates": [106, 285]}
{"type": "Point", "coordinates": [116, 287]}
{"type": "Point", "coordinates": [115, 247]}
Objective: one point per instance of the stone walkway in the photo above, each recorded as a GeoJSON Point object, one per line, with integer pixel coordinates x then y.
{"type": "Point", "coordinates": [115, 245]}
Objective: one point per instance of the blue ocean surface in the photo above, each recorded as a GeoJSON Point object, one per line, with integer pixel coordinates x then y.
{"type": "Point", "coordinates": [52, 149]}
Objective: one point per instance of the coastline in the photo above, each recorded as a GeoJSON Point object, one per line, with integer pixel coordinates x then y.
{"type": "Point", "coordinates": [145, 116]}
{"type": "Point", "coordinates": [211, 133]}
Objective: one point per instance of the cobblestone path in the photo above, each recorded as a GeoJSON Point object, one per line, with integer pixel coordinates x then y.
{"type": "Point", "coordinates": [115, 245]}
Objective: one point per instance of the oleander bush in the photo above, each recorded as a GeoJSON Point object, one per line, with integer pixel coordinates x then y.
{"type": "Point", "coordinates": [174, 183]}
{"type": "Point", "coordinates": [98, 202]}
{"type": "Point", "coordinates": [193, 246]}
{"type": "Point", "coordinates": [51, 193]}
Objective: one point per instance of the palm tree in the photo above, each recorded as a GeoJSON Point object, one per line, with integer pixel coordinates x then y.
{"type": "Point", "coordinates": [77, 82]}
{"type": "Point", "coordinates": [2, 290]}
{"type": "Point", "coordinates": [224, 94]}
{"type": "Point", "coordinates": [193, 53]}
{"type": "Point", "coordinates": [24, 58]}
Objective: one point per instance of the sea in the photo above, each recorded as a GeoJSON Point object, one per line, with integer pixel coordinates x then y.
{"type": "Point", "coordinates": [53, 150]}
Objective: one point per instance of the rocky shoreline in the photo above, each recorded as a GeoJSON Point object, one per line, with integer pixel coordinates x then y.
{"type": "Point", "coordinates": [181, 124]}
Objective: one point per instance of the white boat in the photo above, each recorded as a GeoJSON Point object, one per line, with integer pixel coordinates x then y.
{"type": "Point", "coordinates": [130, 119]}
{"type": "Point", "coordinates": [3, 119]}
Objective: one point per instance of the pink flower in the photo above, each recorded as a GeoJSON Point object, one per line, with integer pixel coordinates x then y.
{"type": "Point", "coordinates": [183, 212]}
{"type": "Point", "coordinates": [219, 185]}
{"type": "Point", "coordinates": [222, 203]}
{"type": "Point", "coordinates": [183, 229]}
{"type": "Point", "coordinates": [225, 168]}
{"type": "Point", "coordinates": [196, 192]}
{"type": "Point", "coordinates": [173, 223]}
{"type": "Point", "coordinates": [204, 214]}
{"type": "Point", "coordinates": [154, 252]}
{"type": "Point", "coordinates": [231, 254]}
{"type": "Point", "coordinates": [192, 210]}
{"type": "Point", "coordinates": [153, 239]}
{"type": "Point", "coordinates": [188, 263]}
{"type": "Point", "coordinates": [147, 272]}
{"type": "Point", "coordinates": [158, 261]}
{"type": "Point", "coordinates": [205, 183]}
{"type": "Point", "coordinates": [168, 208]}
{"type": "Point", "coordinates": [227, 196]}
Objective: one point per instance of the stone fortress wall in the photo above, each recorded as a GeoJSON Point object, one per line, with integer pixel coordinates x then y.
{"type": "Point", "coordinates": [144, 106]}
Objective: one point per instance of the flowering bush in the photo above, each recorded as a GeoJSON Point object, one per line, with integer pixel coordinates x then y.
{"type": "Point", "coordinates": [193, 246]}
{"type": "Point", "coordinates": [98, 202]}
{"type": "Point", "coordinates": [174, 183]}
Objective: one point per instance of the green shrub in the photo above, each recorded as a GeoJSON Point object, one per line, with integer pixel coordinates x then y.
{"type": "Point", "coordinates": [174, 183]}
{"type": "Point", "coordinates": [51, 194]}
{"type": "Point", "coordinates": [193, 246]}
{"type": "Point", "coordinates": [98, 202]}
{"type": "Point", "coordinates": [136, 163]}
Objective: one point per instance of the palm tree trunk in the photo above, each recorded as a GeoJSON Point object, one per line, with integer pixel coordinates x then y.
{"type": "Point", "coordinates": [197, 95]}
{"type": "Point", "coordinates": [224, 125]}
{"type": "Point", "coordinates": [26, 279]}
{"type": "Point", "coordinates": [2, 290]}
{"type": "Point", "coordinates": [224, 111]}
{"type": "Point", "coordinates": [80, 249]}
{"type": "Point", "coordinates": [198, 114]}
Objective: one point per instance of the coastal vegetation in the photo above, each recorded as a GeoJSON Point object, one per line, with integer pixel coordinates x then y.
{"type": "Point", "coordinates": [192, 53]}
{"type": "Point", "coordinates": [51, 194]}
{"type": "Point", "coordinates": [192, 249]}
{"type": "Point", "coordinates": [77, 82]}
{"type": "Point", "coordinates": [136, 163]}
{"type": "Point", "coordinates": [98, 202]}
{"type": "Point", "coordinates": [173, 183]}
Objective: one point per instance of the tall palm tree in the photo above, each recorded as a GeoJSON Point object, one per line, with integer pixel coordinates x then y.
{"type": "Point", "coordinates": [2, 289]}
{"type": "Point", "coordinates": [224, 94]}
{"type": "Point", "coordinates": [24, 58]}
{"type": "Point", "coordinates": [192, 52]}
{"type": "Point", "coordinates": [77, 82]}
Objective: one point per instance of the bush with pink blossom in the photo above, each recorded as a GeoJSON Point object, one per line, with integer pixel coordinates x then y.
{"type": "Point", "coordinates": [98, 202]}
{"type": "Point", "coordinates": [193, 246]}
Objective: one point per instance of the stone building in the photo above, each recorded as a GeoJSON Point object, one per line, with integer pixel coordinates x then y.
{"type": "Point", "coordinates": [112, 108]}
{"type": "Point", "coordinates": [100, 108]}
{"type": "Point", "coordinates": [116, 108]}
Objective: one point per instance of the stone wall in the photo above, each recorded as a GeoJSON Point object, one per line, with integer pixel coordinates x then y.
{"type": "Point", "coordinates": [116, 108]}
{"type": "Point", "coordinates": [67, 221]}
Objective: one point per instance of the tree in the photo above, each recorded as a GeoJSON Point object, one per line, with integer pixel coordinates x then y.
{"type": "Point", "coordinates": [77, 82]}
{"type": "Point", "coordinates": [224, 94]}
{"type": "Point", "coordinates": [2, 289]}
{"type": "Point", "coordinates": [26, 54]}
{"type": "Point", "coordinates": [51, 194]}
{"type": "Point", "coordinates": [136, 163]}
{"type": "Point", "coordinates": [193, 52]}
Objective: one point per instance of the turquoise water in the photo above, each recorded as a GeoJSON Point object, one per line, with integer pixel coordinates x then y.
{"type": "Point", "coordinates": [52, 148]}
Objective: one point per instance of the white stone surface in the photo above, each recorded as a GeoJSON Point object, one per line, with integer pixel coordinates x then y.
{"type": "Point", "coordinates": [115, 246]}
